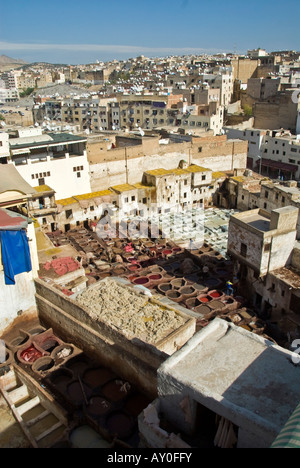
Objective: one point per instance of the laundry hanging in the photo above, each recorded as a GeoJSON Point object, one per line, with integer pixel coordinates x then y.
{"type": "Point", "coordinates": [15, 254]}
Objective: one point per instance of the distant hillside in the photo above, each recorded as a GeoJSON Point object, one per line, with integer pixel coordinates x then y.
{"type": "Point", "coordinates": [8, 63]}
{"type": "Point", "coordinates": [5, 60]}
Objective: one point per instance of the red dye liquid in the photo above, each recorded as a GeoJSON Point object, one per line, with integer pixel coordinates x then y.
{"type": "Point", "coordinates": [215, 294]}
{"type": "Point", "coordinates": [31, 354]}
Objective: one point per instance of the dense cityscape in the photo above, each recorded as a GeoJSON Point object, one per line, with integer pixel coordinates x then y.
{"type": "Point", "coordinates": [150, 255]}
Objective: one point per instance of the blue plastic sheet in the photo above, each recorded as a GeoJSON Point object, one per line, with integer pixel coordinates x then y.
{"type": "Point", "coordinates": [15, 254]}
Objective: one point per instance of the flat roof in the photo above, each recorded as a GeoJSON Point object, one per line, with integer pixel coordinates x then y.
{"type": "Point", "coordinates": [254, 218]}
{"type": "Point", "coordinates": [123, 188]}
{"type": "Point", "coordinates": [228, 367]}
{"type": "Point", "coordinates": [179, 171]}
{"type": "Point", "coordinates": [43, 188]}
{"type": "Point", "coordinates": [44, 140]}
{"type": "Point", "coordinates": [100, 193]}
{"type": "Point", "coordinates": [66, 201]}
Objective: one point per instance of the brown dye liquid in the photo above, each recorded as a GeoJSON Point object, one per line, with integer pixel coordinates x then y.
{"type": "Point", "coordinates": [97, 377]}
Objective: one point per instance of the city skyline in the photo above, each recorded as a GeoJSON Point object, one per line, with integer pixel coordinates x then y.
{"type": "Point", "coordinates": [68, 33]}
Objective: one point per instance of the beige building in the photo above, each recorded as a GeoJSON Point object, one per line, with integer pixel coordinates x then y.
{"type": "Point", "coordinates": [262, 245]}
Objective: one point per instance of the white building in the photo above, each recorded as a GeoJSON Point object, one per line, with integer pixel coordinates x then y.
{"type": "Point", "coordinates": [58, 160]}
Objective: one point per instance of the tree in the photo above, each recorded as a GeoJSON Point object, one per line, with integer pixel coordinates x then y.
{"type": "Point", "coordinates": [26, 92]}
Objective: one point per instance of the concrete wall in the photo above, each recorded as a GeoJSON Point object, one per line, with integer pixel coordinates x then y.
{"type": "Point", "coordinates": [16, 299]}
{"type": "Point", "coordinates": [108, 168]}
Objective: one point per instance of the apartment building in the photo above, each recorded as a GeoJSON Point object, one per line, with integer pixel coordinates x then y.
{"type": "Point", "coordinates": [146, 111]}
{"type": "Point", "coordinates": [208, 117]}
{"type": "Point", "coordinates": [58, 160]}
{"type": "Point", "coordinates": [254, 136]}
{"type": "Point", "coordinates": [223, 82]}
{"type": "Point", "coordinates": [91, 114]}
{"type": "Point", "coordinates": [280, 155]}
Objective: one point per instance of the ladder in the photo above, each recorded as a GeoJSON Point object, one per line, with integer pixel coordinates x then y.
{"type": "Point", "coordinates": [41, 426]}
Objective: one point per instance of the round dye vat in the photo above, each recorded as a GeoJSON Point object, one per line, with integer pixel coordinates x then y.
{"type": "Point", "coordinates": [204, 299]}
{"type": "Point", "coordinates": [178, 283]}
{"type": "Point", "coordinates": [216, 305]}
{"type": "Point", "coordinates": [212, 282]}
{"type": "Point", "coordinates": [141, 280]}
{"type": "Point", "coordinates": [97, 377]}
{"type": "Point", "coordinates": [62, 378]}
{"type": "Point", "coordinates": [43, 364]}
{"type": "Point", "coordinates": [202, 309]}
{"type": "Point", "coordinates": [165, 287]}
{"type": "Point", "coordinates": [188, 290]}
{"type": "Point", "coordinates": [155, 277]}
{"type": "Point", "coordinates": [74, 392]}
{"type": "Point", "coordinates": [77, 365]}
{"type": "Point", "coordinates": [119, 424]}
{"type": "Point", "coordinates": [30, 354]}
{"type": "Point", "coordinates": [215, 294]}
{"type": "Point", "coordinates": [49, 344]}
{"type": "Point", "coordinates": [115, 390]}
{"type": "Point", "coordinates": [135, 404]}
{"type": "Point", "coordinates": [98, 406]}
{"type": "Point", "coordinates": [167, 252]}
{"type": "Point", "coordinates": [173, 294]}
{"type": "Point", "coordinates": [192, 302]}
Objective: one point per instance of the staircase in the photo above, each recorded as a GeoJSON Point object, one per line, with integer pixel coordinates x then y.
{"type": "Point", "coordinates": [42, 427]}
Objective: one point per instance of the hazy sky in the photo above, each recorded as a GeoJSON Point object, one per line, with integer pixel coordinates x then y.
{"type": "Point", "coordinates": [65, 31]}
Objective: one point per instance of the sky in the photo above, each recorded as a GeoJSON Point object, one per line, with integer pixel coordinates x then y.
{"type": "Point", "coordinates": [78, 32]}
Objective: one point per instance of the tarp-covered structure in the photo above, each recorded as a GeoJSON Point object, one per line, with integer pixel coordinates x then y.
{"type": "Point", "coordinates": [15, 252]}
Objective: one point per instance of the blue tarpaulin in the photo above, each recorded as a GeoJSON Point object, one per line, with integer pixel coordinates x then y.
{"type": "Point", "coordinates": [15, 254]}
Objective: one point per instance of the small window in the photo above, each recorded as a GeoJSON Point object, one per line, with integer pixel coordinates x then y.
{"type": "Point", "coordinates": [243, 250]}
{"type": "Point", "coordinates": [78, 174]}
{"type": "Point", "coordinates": [126, 200]}
{"type": "Point", "coordinates": [92, 208]}
{"type": "Point", "coordinates": [200, 149]}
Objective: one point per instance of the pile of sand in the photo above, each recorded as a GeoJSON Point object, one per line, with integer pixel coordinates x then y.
{"type": "Point", "coordinates": [133, 313]}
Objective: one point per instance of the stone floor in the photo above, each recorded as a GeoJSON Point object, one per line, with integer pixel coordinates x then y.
{"type": "Point", "coordinates": [11, 434]}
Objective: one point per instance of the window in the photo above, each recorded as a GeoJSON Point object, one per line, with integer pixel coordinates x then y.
{"type": "Point", "coordinates": [266, 194]}
{"type": "Point", "coordinates": [133, 198]}
{"type": "Point", "coordinates": [69, 213]}
{"type": "Point", "coordinates": [200, 149]}
{"type": "Point", "coordinates": [92, 208]}
{"type": "Point", "coordinates": [144, 200]}
{"type": "Point", "coordinates": [265, 206]}
{"type": "Point", "coordinates": [267, 247]}
{"type": "Point", "coordinates": [243, 250]}
{"type": "Point", "coordinates": [126, 200]}
{"type": "Point", "coordinates": [283, 199]}
{"type": "Point", "coordinates": [203, 177]}
{"type": "Point", "coordinates": [78, 174]}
